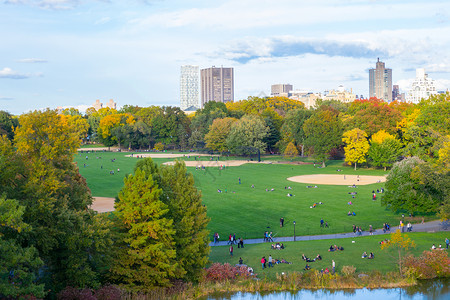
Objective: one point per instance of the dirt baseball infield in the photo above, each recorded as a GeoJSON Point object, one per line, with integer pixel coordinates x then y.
{"type": "Point", "coordinates": [337, 179]}
{"type": "Point", "coordinates": [103, 204]}
{"type": "Point", "coordinates": [165, 155]}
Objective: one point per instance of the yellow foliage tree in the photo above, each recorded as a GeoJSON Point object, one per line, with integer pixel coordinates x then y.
{"type": "Point", "coordinates": [290, 150]}
{"type": "Point", "coordinates": [159, 146]}
{"type": "Point", "coordinates": [399, 243]}
{"type": "Point", "coordinates": [380, 136]}
{"type": "Point", "coordinates": [357, 146]}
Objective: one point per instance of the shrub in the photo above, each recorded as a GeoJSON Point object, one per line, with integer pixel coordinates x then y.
{"type": "Point", "coordinates": [348, 270]}
{"type": "Point", "coordinates": [430, 264]}
{"type": "Point", "coordinates": [71, 293]}
{"type": "Point", "coordinates": [108, 292]}
{"type": "Point", "coordinates": [218, 272]}
{"type": "Point", "coordinates": [159, 146]}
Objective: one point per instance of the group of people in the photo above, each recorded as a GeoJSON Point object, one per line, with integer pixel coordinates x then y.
{"type": "Point", "coordinates": [270, 262]}
{"type": "Point", "coordinates": [323, 224]}
{"type": "Point", "coordinates": [277, 246]}
{"type": "Point", "coordinates": [335, 248]}
{"type": "Point", "coordinates": [305, 258]}
{"type": "Point", "coordinates": [351, 213]}
{"type": "Point", "coordinates": [370, 256]}
{"type": "Point", "coordinates": [268, 236]}
{"type": "Point", "coordinates": [357, 230]}
{"type": "Point", "coordinates": [386, 227]}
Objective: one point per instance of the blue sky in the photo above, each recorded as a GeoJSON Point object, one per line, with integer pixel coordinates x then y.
{"type": "Point", "coordinates": [72, 52]}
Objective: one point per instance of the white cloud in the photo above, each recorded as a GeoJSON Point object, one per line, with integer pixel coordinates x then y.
{"type": "Point", "coordinates": [48, 4]}
{"type": "Point", "coordinates": [32, 60]}
{"type": "Point", "coordinates": [11, 74]}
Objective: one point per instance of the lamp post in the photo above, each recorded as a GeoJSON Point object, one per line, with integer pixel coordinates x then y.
{"type": "Point", "coordinates": [294, 230]}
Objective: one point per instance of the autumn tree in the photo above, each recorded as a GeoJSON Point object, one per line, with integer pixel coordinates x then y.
{"type": "Point", "coordinates": [216, 138]}
{"type": "Point", "coordinates": [292, 128]}
{"type": "Point", "coordinates": [7, 124]}
{"type": "Point", "coordinates": [145, 257]}
{"type": "Point", "coordinates": [291, 150]}
{"type": "Point", "coordinates": [186, 210]}
{"type": "Point", "coordinates": [202, 121]}
{"type": "Point", "coordinates": [107, 125]}
{"type": "Point", "coordinates": [56, 200]}
{"type": "Point", "coordinates": [323, 131]}
{"type": "Point", "coordinates": [400, 244]}
{"type": "Point", "coordinates": [246, 135]}
{"type": "Point", "coordinates": [384, 149]}
{"type": "Point", "coordinates": [356, 147]}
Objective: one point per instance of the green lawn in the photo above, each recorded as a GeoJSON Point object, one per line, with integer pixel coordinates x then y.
{"type": "Point", "coordinates": [351, 256]}
{"type": "Point", "coordinates": [247, 211]}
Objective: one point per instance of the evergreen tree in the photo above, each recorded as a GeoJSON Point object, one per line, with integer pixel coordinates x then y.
{"type": "Point", "coordinates": [189, 218]}
{"type": "Point", "coordinates": [146, 254]}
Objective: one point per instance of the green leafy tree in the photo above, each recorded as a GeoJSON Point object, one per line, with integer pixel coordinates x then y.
{"type": "Point", "coordinates": [216, 138]}
{"type": "Point", "coordinates": [246, 136]}
{"type": "Point", "coordinates": [292, 128]}
{"type": "Point", "coordinates": [356, 147]}
{"type": "Point", "coordinates": [323, 131]}
{"type": "Point", "coordinates": [19, 266]}
{"type": "Point", "coordinates": [202, 121]}
{"type": "Point", "coordinates": [184, 202]}
{"type": "Point", "coordinates": [145, 257]}
{"type": "Point", "coordinates": [384, 150]}
{"type": "Point", "coordinates": [415, 186]}
{"type": "Point", "coordinates": [7, 124]}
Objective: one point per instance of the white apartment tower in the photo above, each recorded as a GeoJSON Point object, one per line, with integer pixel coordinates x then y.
{"type": "Point", "coordinates": [189, 87]}
{"type": "Point", "coordinates": [380, 82]}
{"type": "Point", "coordinates": [422, 87]}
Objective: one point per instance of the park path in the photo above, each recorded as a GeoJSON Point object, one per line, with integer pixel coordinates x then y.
{"type": "Point", "coordinates": [432, 226]}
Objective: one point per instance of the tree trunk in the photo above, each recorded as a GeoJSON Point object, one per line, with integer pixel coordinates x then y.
{"type": "Point", "coordinates": [323, 164]}
{"type": "Point", "coordinates": [355, 166]}
{"type": "Point", "coordinates": [303, 150]}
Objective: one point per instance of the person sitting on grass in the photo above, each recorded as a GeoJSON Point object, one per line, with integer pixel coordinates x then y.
{"type": "Point", "coordinates": [371, 255]}
{"type": "Point", "coordinates": [364, 255]}
{"type": "Point", "coordinates": [349, 213]}
{"type": "Point", "coordinates": [326, 271]}
{"type": "Point", "coordinates": [277, 246]}
{"type": "Point", "coordinates": [331, 249]}
{"type": "Point", "coordinates": [304, 257]}
{"type": "Point", "coordinates": [318, 257]}
{"type": "Point", "coordinates": [307, 267]}
{"type": "Point", "coordinates": [241, 261]}
{"type": "Point", "coordinates": [282, 246]}
{"type": "Point", "coordinates": [283, 261]}
{"type": "Point", "coordinates": [273, 246]}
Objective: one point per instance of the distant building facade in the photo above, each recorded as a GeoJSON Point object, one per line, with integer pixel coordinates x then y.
{"type": "Point", "coordinates": [217, 84]}
{"type": "Point", "coordinates": [189, 87]}
{"type": "Point", "coordinates": [422, 87]}
{"type": "Point", "coordinates": [340, 94]}
{"type": "Point", "coordinates": [380, 82]}
{"type": "Point", "coordinates": [281, 90]}
{"type": "Point", "coordinates": [307, 98]}
{"type": "Point", "coordinates": [98, 105]}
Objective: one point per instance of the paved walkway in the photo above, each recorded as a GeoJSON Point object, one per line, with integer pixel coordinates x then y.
{"type": "Point", "coordinates": [432, 226]}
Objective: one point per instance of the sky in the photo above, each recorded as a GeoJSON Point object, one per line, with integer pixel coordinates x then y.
{"type": "Point", "coordinates": [71, 52]}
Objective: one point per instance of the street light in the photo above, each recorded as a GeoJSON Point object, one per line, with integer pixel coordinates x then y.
{"type": "Point", "coordinates": [294, 230]}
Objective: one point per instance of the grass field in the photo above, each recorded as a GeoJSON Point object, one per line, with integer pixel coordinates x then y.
{"type": "Point", "coordinates": [351, 256]}
{"type": "Point", "coordinates": [247, 211]}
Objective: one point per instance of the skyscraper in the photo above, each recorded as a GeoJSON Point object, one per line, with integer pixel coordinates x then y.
{"type": "Point", "coordinates": [380, 82]}
{"type": "Point", "coordinates": [217, 85]}
{"type": "Point", "coordinates": [189, 87]}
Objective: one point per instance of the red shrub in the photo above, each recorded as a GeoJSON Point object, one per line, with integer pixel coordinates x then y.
{"type": "Point", "coordinates": [219, 272]}
{"type": "Point", "coordinates": [430, 264]}
{"type": "Point", "coordinates": [108, 292]}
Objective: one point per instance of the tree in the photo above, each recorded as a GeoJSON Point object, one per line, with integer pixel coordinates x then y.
{"type": "Point", "coordinates": [323, 131]}
{"type": "Point", "coordinates": [357, 146]}
{"type": "Point", "coordinates": [415, 186]}
{"type": "Point", "coordinates": [292, 128]}
{"type": "Point", "coordinates": [384, 149]}
{"type": "Point", "coordinates": [145, 257]}
{"type": "Point", "coordinates": [19, 266]}
{"type": "Point", "coordinates": [71, 240]}
{"type": "Point", "coordinates": [399, 243]}
{"type": "Point", "coordinates": [203, 119]}
{"type": "Point", "coordinates": [7, 124]}
{"type": "Point", "coordinates": [184, 202]}
{"type": "Point", "coordinates": [216, 138]}
{"type": "Point", "coordinates": [107, 125]}
{"type": "Point", "coordinates": [246, 135]}
{"type": "Point", "coordinates": [291, 150]}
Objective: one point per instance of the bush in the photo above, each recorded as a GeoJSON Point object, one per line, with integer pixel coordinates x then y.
{"type": "Point", "coordinates": [159, 146]}
{"type": "Point", "coordinates": [430, 264]}
{"type": "Point", "coordinates": [71, 293]}
{"type": "Point", "coordinates": [348, 270]}
{"type": "Point", "coordinates": [108, 292]}
{"type": "Point", "coordinates": [218, 272]}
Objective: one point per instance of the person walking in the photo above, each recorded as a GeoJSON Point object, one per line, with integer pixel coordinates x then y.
{"type": "Point", "coordinates": [321, 222]}
{"type": "Point", "coordinates": [447, 242]}
{"type": "Point", "coordinates": [263, 262]}
{"type": "Point", "coordinates": [270, 261]}
{"type": "Point", "coordinates": [231, 250]}
{"type": "Point", "coordinates": [333, 264]}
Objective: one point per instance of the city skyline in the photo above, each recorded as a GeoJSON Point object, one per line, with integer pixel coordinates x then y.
{"type": "Point", "coordinates": [72, 52]}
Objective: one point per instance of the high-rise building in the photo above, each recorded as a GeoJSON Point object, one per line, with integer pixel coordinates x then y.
{"type": "Point", "coordinates": [422, 87]}
{"type": "Point", "coordinates": [217, 85]}
{"type": "Point", "coordinates": [281, 90]}
{"type": "Point", "coordinates": [189, 87]}
{"type": "Point", "coordinates": [98, 105]}
{"type": "Point", "coordinates": [380, 82]}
